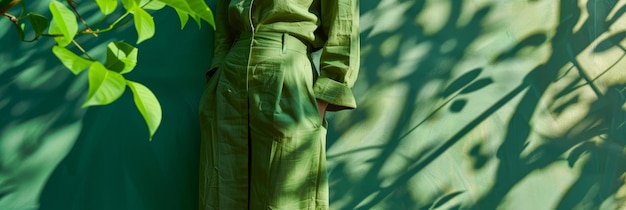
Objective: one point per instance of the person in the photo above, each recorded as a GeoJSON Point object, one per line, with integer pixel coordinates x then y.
{"type": "Point", "coordinates": [263, 131]}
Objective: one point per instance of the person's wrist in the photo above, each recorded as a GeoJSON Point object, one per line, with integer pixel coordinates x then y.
{"type": "Point", "coordinates": [322, 104]}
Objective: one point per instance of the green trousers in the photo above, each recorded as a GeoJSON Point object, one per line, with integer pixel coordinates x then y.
{"type": "Point", "coordinates": [263, 144]}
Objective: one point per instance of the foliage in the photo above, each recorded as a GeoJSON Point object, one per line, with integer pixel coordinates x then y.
{"type": "Point", "coordinates": [106, 79]}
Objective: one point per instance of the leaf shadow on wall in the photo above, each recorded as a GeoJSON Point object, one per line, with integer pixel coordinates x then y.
{"type": "Point", "coordinates": [443, 49]}
{"type": "Point", "coordinates": [113, 164]}
{"type": "Point", "coordinates": [594, 131]}
{"type": "Point", "coordinates": [41, 115]}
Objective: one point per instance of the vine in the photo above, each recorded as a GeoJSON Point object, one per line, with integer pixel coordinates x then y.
{"type": "Point", "coordinates": [106, 79]}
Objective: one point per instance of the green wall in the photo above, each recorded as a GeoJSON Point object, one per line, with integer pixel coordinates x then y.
{"type": "Point", "coordinates": [55, 155]}
{"type": "Point", "coordinates": [481, 104]}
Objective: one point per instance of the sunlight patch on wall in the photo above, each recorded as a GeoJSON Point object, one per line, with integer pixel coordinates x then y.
{"type": "Point", "coordinates": [34, 151]}
{"type": "Point", "coordinates": [389, 16]}
{"type": "Point", "coordinates": [435, 17]}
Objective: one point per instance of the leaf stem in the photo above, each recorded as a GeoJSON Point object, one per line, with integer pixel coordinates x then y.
{"type": "Point", "coordinates": [8, 6]}
{"type": "Point", "coordinates": [12, 18]}
{"type": "Point", "coordinates": [81, 49]}
{"type": "Point", "coordinates": [87, 28]}
{"type": "Point", "coordinates": [146, 4]}
{"type": "Point", "coordinates": [119, 20]}
{"type": "Point", "coordinates": [114, 24]}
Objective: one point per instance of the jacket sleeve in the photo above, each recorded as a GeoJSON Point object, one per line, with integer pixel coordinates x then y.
{"type": "Point", "coordinates": [339, 60]}
{"type": "Point", "coordinates": [223, 36]}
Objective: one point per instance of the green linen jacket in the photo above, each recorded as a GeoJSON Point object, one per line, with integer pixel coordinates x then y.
{"type": "Point", "coordinates": [329, 25]}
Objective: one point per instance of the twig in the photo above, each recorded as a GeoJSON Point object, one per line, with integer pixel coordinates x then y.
{"type": "Point", "coordinates": [114, 24]}
{"type": "Point", "coordinates": [81, 49]}
{"type": "Point", "coordinates": [87, 28]}
{"type": "Point", "coordinates": [8, 6]}
{"type": "Point", "coordinates": [12, 18]}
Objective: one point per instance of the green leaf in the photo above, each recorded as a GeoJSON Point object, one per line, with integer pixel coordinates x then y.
{"type": "Point", "coordinates": [121, 57]}
{"type": "Point", "coordinates": [144, 23]}
{"type": "Point", "coordinates": [182, 9]}
{"type": "Point", "coordinates": [105, 86]}
{"type": "Point", "coordinates": [61, 40]}
{"type": "Point", "coordinates": [130, 4]}
{"type": "Point", "coordinates": [107, 6]}
{"type": "Point", "coordinates": [73, 62]}
{"type": "Point", "coordinates": [38, 23]}
{"type": "Point", "coordinates": [197, 9]}
{"type": "Point", "coordinates": [201, 9]}
{"type": "Point", "coordinates": [147, 104]}
{"type": "Point", "coordinates": [183, 16]}
{"type": "Point", "coordinates": [64, 22]}
{"type": "Point", "coordinates": [152, 4]}
{"type": "Point", "coordinates": [178, 4]}
{"type": "Point", "coordinates": [197, 19]}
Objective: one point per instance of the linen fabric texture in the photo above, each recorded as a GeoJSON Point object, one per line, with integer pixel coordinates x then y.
{"type": "Point", "coordinates": [263, 143]}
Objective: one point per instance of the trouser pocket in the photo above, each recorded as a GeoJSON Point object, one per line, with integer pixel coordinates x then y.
{"type": "Point", "coordinates": [297, 170]}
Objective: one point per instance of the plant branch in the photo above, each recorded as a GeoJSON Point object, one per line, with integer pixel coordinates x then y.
{"type": "Point", "coordinates": [119, 20]}
{"type": "Point", "coordinates": [80, 17]}
{"type": "Point", "coordinates": [12, 18]}
{"type": "Point", "coordinates": [8, 6]}
{"type": "Point", "coordinates": [114, 24]}
{"type": "Point", "coordinates": [81, 49]}
{"type": "Point", "coordinates": [146, 4]}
